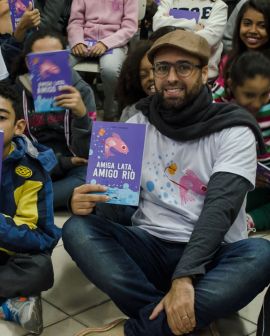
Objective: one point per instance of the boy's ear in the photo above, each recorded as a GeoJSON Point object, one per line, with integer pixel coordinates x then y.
{"type": "Point", "coordinates": [19, 127]}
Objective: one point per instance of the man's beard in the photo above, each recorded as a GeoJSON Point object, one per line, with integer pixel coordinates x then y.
{"type": "Point", "coordinates": [180, 102]}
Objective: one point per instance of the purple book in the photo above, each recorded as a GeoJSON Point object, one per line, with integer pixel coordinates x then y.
{"type": "Point", "coordinates": [17, 9]}
{"type": "Point", "coordinates": [49, 72]}
{"type": "Point", "coordinates": [184, 14]}
{"type": "Point", "coordinates": [1, 152]}
{"type": "Point", "coordinates": [115, 160]}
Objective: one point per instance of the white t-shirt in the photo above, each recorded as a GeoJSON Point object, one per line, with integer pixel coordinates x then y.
{"type": "Point", "coordinates": [212, 15]}
{"type": "Point", "coordinates": [3, 68]}
{"type": "Point", "coordinates": [175, 176]}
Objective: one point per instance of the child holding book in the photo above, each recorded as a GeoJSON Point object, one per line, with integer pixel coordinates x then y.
{"type": "Point", "coordinates": [111, 24]}
{"type": "Point", "coordinates": [67, 132]}
{"type": "Point", "coordinates": [27, 230]}
{"type": "Point", "coordinates": [248, 85]}
{"type": "Point", "coordinates": [12, 42]}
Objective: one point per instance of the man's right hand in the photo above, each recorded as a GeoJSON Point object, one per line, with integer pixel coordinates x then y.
{"type": "Point", "coordinates": [84, 199]}
{"type": "Point", "coordinates": [80, 49]}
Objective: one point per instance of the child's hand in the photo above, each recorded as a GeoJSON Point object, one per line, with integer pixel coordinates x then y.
{"type": "Point", "coordinates": [262, 182]}
{"type": "Point", "coordinates": [80, 49]}
{"type": "Point", "coordinates": [30, 19]}
{"type": "Point", "coordinates": [97, 50]}
{"type": "Point", "coordinates": [78, 161]}
{"type": "Point", "coordinates": [199, 26]}
{"type": "Point", "coordinates": [84, 200]}
{"type": "Point", "coordinates": [71, 99]}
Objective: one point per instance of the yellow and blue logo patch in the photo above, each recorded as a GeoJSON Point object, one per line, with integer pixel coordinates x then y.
{"type": "Point", "coordinates": [23, 171]}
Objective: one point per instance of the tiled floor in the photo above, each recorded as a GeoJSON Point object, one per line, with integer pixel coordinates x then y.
{"type": "Point", "coordinates": [73, 303]}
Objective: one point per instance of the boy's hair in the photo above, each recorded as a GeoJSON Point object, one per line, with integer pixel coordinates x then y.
{"type": "Point", "coordinates": [249, 65]}
{"type": "Point", "coordinates": [9, 93]}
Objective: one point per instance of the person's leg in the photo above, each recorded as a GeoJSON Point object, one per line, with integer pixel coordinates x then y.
{"type": "Point", "coordinates": [63, 188]}
{"type": "Point", "coordinates": [117, 213]}
{"type": "Point", "coordinates": [110, 67]}
{"type": "Point", "coordinates": [130, 265]}
{"type": "Point", "coordinates": [23, 275]}
{"type": "Point", "coordinates": [22, 278]}
{"type": "Point", "coordinates": [239, 272]}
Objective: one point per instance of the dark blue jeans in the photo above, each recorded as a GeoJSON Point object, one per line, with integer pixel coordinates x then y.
{"type": "Point", "coordinates": [134, 268]}
{"type": "Point", "coordinates": [63, 188]}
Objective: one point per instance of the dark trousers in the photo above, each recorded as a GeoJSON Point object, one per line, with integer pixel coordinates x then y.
{"type": "Point", "coordinates": [24, 274]}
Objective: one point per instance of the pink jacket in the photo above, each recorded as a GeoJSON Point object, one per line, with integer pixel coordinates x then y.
{"type": "Point", "coordinates": [113, 22]}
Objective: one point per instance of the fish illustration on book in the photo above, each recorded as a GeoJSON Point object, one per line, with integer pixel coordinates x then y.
{"type": "Point", "coordinates": [115, 142]}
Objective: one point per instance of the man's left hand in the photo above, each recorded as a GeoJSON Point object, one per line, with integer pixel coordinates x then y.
{"type": "Point", "coordinates": [71, 99]}
{"type": "Point", "coordinates": [179, 306]}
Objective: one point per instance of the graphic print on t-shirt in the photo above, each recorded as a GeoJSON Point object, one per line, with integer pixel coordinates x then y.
{"type": "Point", "coordinates": [189, 183]}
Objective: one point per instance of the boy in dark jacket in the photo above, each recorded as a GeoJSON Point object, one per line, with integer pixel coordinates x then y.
{"type": "Point", "coordinates": [27, 230]}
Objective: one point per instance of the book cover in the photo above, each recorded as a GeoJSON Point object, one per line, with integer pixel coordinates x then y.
{"type": "Point", "coordinates": [115, 160]}
{"type": "Point", "coordinates": [184, 14]}
{"type": "Point", "coordinates": [17, 9]}
{"type": "Point", "coordinates": [49, 72]}
{"type": "Point", "coordinates": [1, 152]}
{"type": "Point", "coordinates": [264, 172]}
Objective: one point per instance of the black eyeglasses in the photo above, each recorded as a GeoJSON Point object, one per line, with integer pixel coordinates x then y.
{"type": "Point", "coordinates": [182, 69]}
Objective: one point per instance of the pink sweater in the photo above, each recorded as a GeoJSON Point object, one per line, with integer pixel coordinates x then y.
{"type": "Point", "coordinates": [113, 22]}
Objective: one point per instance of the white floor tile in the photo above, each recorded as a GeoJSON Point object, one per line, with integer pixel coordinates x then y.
{"type": "Point", "coordinates": [252, 310]}
{"type": "Point", "coordinates": [235, 326]}
{"type": "Point", "coordinates": [72, 292]}
{"type": "Point", "coordinates": [101, 315]}
{"type": "Point", "coordinates": [51, 314]}
{"type": "Point", "coordinates": [11, 329]}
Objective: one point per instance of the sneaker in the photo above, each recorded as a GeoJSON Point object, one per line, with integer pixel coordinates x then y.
{"type": "Point", "coordinates": [27, 312]}
{"type": "Point", "coordinates": [114, 328]}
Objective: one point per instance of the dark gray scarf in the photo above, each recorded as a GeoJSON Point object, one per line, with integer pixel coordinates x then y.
{"type": "Point", "coordinates": [199, 118]}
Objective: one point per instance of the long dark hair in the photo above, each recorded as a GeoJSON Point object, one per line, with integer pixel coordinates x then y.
{"type": "Point", "coordinates": [238, 47]}
{"type": "Point", "coordinates": [129, 89]}
{"type": "Point", "coordinates": [19, 66]}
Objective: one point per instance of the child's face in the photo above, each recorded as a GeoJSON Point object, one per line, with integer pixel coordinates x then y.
{"type": "Point", "coordinates": [8, 124]}
{"type": "Point", "coordinates": [253, 31]}
{"type": "Point", "coordinates": [147, 76]}
{"type": "Point", "coordinates": [253, 94]}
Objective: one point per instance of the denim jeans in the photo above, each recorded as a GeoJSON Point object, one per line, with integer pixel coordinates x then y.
{"type": "Point", "coordinates": [134, 268]}
{"type": "Point", "coordinates": [63, 188]}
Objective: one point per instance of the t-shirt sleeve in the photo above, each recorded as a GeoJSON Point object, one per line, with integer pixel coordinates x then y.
{"type": "Point", "coordinates": [237, 153]}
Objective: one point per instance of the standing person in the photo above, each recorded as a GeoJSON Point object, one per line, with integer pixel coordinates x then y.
{"type": "Point", "coordinates": [67, 132]}
{"type": "Point", "coordinates": [27, 231]}
{"type": "Point", "coordinates": [186, 261]}
{"type": "Point", "coordinates": [111, 24]}
{"type": "Point", "coordinates": [211, 24]}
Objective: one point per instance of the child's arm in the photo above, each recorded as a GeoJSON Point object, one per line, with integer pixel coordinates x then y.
{"type": "Point", "coordinates": [32, 228]}
{"type": "Point", "coordinates": [215, 25]}
{"type": "Point", "coordinates": [162, 18]}
{"type": "Point", "coordinates": [76, 23]}
{"type": "Point", "coordinates": [129, 26]}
